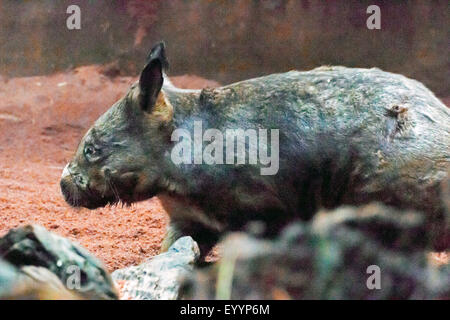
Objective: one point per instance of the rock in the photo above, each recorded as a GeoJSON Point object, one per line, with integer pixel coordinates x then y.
{"type": "Point", "coordinates": [9, 277]}
{"type": "Point", "coordinates": [33, 283]}
{"type": "Point", "coordinates": [339, 255]}
{"type": "Point", "coordinates": [159, 277]}
{"type": "Point", "coordinates": [444, 240]}
{"type": "Point", "coordinates": [61, 264]}
{"type": "Point", "coordinates": [446, 193]}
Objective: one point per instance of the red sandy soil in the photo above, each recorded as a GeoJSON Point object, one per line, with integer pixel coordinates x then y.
{"type": "Point", "coordinates": [41, 122]}
{"type": "Point", "coordinates": [42, 119]}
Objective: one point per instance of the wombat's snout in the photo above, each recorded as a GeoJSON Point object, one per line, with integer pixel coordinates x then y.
{"type": "Point", "coordinates": [66, 190]}
{"type": "Point", "coordinates": [71, 187]}
{"type": "Point", "coordinates": [69, 191]}
{"type": "Point", "coordinates": [66, 171]}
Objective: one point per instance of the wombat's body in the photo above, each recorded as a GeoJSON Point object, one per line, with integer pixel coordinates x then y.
{"type": "Point", "coordinates": [346, 136]}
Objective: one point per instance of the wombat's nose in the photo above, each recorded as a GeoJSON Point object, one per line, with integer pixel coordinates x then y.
{"type": "Point", "coordinates": [65, 172]}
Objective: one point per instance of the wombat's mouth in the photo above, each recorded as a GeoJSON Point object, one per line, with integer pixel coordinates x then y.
{"type": "Point", "coordinates": [78, 198]}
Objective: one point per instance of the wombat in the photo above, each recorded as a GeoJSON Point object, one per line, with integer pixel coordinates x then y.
{"type": "Point", "coordinates": [271, 149]}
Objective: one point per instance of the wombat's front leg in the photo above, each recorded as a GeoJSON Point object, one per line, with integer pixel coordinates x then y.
{"type": "Point", "coordinates": [172, 235]}
{"type": "Point", "coordinates": [205, 238]}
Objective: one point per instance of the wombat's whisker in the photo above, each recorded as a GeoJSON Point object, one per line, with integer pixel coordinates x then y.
{"type": "Point", "coordinates": [55, 167]}
{"type": "Point", "coordinates": [113, 189]}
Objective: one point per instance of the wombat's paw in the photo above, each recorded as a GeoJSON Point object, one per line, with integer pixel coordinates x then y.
{"type": "Point", "coordinates": [172, 235]}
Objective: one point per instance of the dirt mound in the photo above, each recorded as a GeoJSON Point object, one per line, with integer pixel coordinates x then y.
{"type": "Point", "coordinates": [41, 122]}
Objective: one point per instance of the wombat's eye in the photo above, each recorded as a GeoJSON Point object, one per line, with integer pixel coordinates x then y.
{"type": "Point", "coordinates": [91, 153]}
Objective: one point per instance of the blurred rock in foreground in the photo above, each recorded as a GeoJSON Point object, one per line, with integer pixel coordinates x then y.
{"type": "Point", "coordinates": [339, 255]}
{"type": "Point", "coordinates": [31, 283]}
{"type": "Point", "coordinates": [159, 278]}
{"type": "Point", "coordinates": [40, 264]}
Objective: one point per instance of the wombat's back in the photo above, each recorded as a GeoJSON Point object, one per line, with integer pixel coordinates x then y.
{"type": "Point", "coordinates": [347, 135]}
{"type": "Point", "coordinates": [327, 98]}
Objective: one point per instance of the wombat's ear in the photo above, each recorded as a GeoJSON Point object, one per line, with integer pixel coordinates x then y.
{"type": "Point", "coordinates": [159, 52]}
{"type": "Point", "coordinates": [151, 79]}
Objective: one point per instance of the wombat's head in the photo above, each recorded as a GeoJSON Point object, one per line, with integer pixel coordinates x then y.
{"type": "Point", "coordinates": [119, 158]}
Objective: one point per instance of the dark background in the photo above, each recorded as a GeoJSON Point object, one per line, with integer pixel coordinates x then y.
{"type": "Point", "coordinates": [228, 40]}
